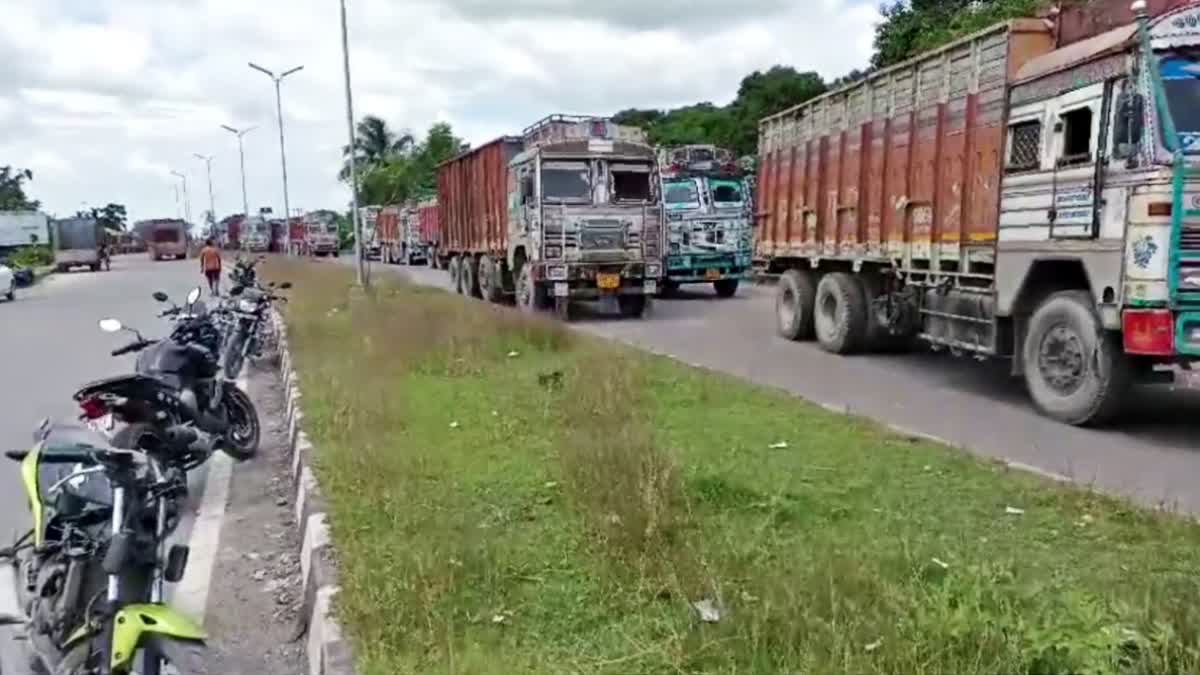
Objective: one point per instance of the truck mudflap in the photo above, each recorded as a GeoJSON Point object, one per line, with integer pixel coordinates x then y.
{"type": "Point", "coordinates": [1187, 334]}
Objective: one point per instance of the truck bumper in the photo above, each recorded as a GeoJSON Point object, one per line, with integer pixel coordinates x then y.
{"type": "Point", "coordinates": [687, 269]}
{"type": "Point", "coordinates": [594, 281]}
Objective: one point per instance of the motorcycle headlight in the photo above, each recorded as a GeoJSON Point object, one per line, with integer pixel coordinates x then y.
{"type": "Point", "coordinates": [247, 306]}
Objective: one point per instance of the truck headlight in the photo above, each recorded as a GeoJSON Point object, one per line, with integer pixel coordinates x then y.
{"type": "Point", "coordinates": [556, 272]}
{"type": "Point", "coordinates": [653, 269]}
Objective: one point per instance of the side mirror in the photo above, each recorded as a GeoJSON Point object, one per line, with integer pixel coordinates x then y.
{"type": "Point", "coordinates": [193, 295]}
{"type": "Point", "coordinates": [111, 325]}
{"type": "Point", "coordinates": [160, 296]}
{"type": "Point", "coordinates": [1131, 120]}
{"type": "Point", "coordinates": [285, 285]}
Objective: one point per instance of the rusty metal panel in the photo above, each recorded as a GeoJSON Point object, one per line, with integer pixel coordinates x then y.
{"type": "Point", "coordinates": [1080, 22]}
{"type": "Point", "coordinates": [904, 165]}
{"type": "Point", "coordinates": [473, 194]}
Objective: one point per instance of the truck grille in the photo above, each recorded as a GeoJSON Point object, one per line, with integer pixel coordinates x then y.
{"type": "Point", "coordinates": [1189, 238]}
{"type": "Point", "coordinates": [592, 239]}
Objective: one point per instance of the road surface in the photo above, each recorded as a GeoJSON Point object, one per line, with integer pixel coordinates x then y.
{"type": "Point", "coordinates": [1153, 457]}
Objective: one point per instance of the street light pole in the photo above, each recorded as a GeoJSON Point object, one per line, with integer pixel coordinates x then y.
{"type": "Point", "coordinates": [187, 204]}
{"type": "Point", "coordinates": [212, 205]}
{"type": "Point", "coordinates": [358, 263]}
{"type": "Point", "coordinates": [287, 230]}
{"type": "Point", "coordinates": [242, 159]}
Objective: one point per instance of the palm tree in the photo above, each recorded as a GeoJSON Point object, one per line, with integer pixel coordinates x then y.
{"type": "Point", "coordinates": [374, 142]}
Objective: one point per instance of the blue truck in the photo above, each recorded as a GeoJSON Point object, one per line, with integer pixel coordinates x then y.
{"type": "Point", "coordinates": [709, 224]}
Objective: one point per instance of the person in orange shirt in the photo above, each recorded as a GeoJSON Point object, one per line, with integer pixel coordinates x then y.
{"type": "Point", "coordinates": [210, 265]}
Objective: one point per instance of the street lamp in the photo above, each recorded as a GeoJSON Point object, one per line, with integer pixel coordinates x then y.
{"type": "Point", "coordinates": [242, 158]}
{"type": "Point", "coordinates": [187, 204]}
{"type": "Point", "coordinates": [358, 263]}
{"type": "Point", "coordinates": [212, 206]}
{"type": "Point", "coordinates": [287, 230]}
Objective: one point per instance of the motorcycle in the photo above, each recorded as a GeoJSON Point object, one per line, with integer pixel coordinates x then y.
{"type": "Point", "coordinates": [247, 328]}
{"type": "Point", "coordinates": [244, 272]}
{"type": "Point", "coordinates": [89, 575]}
{"type": "Point", "coordinates": [177, 385]}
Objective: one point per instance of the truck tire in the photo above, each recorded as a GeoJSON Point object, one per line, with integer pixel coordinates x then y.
{"type": "Point", "coordinates": [455, 269]}
{"type": "Point", "coordinates": [490, 287]}
{"type": "Point", "coordinates": [470, 276]}
{"type": "Point", "coordinates": [632, 306]}
{"type": "Point", "coordinates": [531, 297]}
{"type": "Point", "coordinates": [840, 315]}
{"type": "Point", "coordinates": [726, 288]}
{"type": "Point", "coordinates": [880, 338]}
{"type": "Point", "coordinates": [795, 301]}
{"type": "Point", "coordinates": [1076, 371]}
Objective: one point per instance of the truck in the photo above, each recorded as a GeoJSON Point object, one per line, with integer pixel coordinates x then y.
{"type": "Point", "coordinates": [400, 236]}
{"type": "Point", "coordinates": [429, 229]}
{"type": "Point", "coordinates": [256, 235]}
{"type": "Point", "coordinates": [369, 217]}
{"type": "Point", "coordinates": [566, 211]}
{"type": "Point", "coordinates": [165, 238]}
{"type": "Point", "coordinates": [19, 229]}
{"type": "Point", "coordinates": [315, 234]}
{"type": "Point", "coordinates": [229, 232]}
{"type": "Point", "coordinates": [77, 243]}
{"type": "Point", "coordinates": [1030, 193]}
{"type": "Point", "coordinates": [707, 218]}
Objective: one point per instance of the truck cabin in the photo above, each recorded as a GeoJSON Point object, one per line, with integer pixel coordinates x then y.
{"type": "Point", "coordinates": [702, 180]}
{"type": "Point", "coordinates": [324, 224]}
{"type": "Point", "coordinates": [592, 181]}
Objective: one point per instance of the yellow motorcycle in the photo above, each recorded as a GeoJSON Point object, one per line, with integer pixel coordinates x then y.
{"type": "Point", "coordinates": [89, 575]}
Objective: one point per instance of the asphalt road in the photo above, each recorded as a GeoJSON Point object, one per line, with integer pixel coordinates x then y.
{"type": "Point", "coordinates": [50, 344]}
{"type": "Point", "coordinates": [1153, 456]}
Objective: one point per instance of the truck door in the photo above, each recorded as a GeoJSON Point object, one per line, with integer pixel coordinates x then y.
{"type": "Point", "coordinates": [1081, 124]}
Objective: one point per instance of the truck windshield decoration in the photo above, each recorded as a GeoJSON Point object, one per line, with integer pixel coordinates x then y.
{"type": "Point", "coordinates": [566, 181]}
{"type": "Point", "coordinates": [630, 183]}
{"type": "Point", "coordinates": [1181, 83]}
{"type": "Point", "coordinates": [682, 193]}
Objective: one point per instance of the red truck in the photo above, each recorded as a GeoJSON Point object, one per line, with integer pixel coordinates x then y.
{"type": "Point", "coordinates": [1030, 192]}
{"type": "Point", "coordinates": [430, 229]}
{"type": "Point", "coordinates": [567, 211]}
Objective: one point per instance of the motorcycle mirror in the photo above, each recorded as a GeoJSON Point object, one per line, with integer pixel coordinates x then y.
{"type": "Point", "coordinates": [111, 325]}
{"type": "Point", "coordinates": [160, 296]}
{"type": "Point", "coordinates": [285, 285]}
{"type": "Point", "coordinates": [193, 295]}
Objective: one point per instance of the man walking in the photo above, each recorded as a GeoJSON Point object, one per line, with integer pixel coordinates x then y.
{"type": "Point", "coordinates": [210, 265]}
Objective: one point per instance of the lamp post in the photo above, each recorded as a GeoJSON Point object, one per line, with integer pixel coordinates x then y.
{"type": "Point", "coordinates": [187, 204]}
{"type": "Point", "coordinates": [242, 159]}
{"type": "Point", "coordinates": [358, 263]}
{"type": "Point", "coordinates": [287, 233]}
{"type": "Point", "coordinates": [212, 205]}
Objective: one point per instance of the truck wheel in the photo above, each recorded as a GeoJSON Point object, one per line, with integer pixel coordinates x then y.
{"type": "Point", "coordinates": [667, 288]}
{"type": "Point", "coordinates": [455, 269]}
{"type": "Point", "coordinates": [531, 297]}
{"type": "Point", "coordinates": [632, 306]}
{"type": "Point", "coordinates": [840, 318]}
{"type": "Point", "coordinates": [795, 298]}
{"type": "Point", "coordinates": [726, 288]}
{"type": "Point", "coordinates": [489, 280]}
{"type": "Point", "coordinates": [470, 276]}
{"type": "Point", "coordinates": [880, 338]}
{"type": "Point", "coordinates": [1076, 371]}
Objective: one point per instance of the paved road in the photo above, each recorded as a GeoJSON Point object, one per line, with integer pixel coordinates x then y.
{"type": "Point", "coordinates": [1153, 458]}
{"type": "Point", "coordinates": [50, 344]}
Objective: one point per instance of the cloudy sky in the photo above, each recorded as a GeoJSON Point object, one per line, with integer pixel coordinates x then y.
{"type": "Point", "coordinates": [104, 98]}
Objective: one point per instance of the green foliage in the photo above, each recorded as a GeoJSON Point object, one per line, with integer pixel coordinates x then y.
{"type": "Point", "coordinates": [112, 216]}
{"type": "Point", "coordinates": [734, 126]}
{"type": "Point", "coordinates": [12, 190]}
{"type": "Point", "coordinates": [910, 27]}
{"type": "Point", "coordinates": [409, 171]}
{"type": "Point", "coordinates": [31, 256]}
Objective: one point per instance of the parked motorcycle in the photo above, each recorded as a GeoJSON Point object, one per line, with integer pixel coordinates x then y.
{"type": "Point", "coordinates": [245, 271]}
{"type": "Point", "coordinates": [177, 384]}
{"type": "Point", "coordinates": [247, 326]}
{"type": "Point", "coordinates": [89, 575]}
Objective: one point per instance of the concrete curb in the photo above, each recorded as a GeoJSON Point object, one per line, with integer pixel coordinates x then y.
{"type": "Point", "coordinates": [329, 653]}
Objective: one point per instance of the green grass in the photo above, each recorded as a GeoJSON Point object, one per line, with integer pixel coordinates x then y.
{"type": "Point", "coordinates": [561, 509]}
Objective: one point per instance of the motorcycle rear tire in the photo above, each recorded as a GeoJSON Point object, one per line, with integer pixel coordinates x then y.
{"type": "Point", "coordinates": [243, 432]}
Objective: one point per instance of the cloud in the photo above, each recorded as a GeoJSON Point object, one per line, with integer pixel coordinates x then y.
{"type": "Point", "coordinates": [132, 88]}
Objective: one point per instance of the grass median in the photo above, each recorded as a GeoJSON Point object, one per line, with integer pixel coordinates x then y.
{"type": "Point", "coordinates": [509, 496]}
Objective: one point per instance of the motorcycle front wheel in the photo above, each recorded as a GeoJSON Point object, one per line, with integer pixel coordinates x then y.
{"type": "Point", "coordinates": [242, 433]}
{"type": "Point", "coordinates": [186, 657]}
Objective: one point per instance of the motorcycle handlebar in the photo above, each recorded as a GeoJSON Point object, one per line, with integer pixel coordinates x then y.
{"type": "Point", "coordinates": [131, 347]}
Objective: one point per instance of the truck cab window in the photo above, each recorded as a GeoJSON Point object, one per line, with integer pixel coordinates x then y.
{"type": "Point", "coordinates": [630, 183]}
{"type": "Point", "coordinates": [1025, 151]}
{"type": "Point", "coordinates": [1076, 137]}
{"type": "Point", "coordinates": [726, 192]}
{"type": "Point", "coordinates": [566, 181]}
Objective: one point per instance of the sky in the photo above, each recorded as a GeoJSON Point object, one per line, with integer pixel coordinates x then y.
{"type": "Point", "coordinates": [104, 99]}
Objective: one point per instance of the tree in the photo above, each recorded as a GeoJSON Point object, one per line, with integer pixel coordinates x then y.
{"type": "Point", "coordinates": [373, 142]}
{"type": "Point", "coordinates": [12, 190]}
{"type": "Point", "coordinates": [112, 216]}
{"type": "Point", "coordinates": [408, 171]}
{"type": "Point", "coordinates": [910, 27]}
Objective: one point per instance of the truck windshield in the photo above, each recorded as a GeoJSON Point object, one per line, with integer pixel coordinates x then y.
{"type": "Point", "coordinates": [566, 181]}
{"type": "Point", "coordinates": [681, 193]}
{"type": "Point", "coordinates": [1181, 81]}
{"type": "Point", "coordinates": [727, 192]}
{"type": "Point", "coordinates": [630, 182]}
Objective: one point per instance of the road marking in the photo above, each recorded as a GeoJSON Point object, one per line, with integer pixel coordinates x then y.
{"type": "Point", "coordinates": [191, 595]}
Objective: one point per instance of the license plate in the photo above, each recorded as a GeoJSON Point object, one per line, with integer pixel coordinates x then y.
{"type": "Point", "coordinates": [608, 282]}
{"type": "Point", "coordinates": [561, 289]}
{"type": "Point", "coordinates": [712, 275]}
{"type": "Point", "coordinates": [651, 287]}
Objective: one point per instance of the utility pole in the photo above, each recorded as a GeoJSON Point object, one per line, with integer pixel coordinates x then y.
{"type": "Point", "coordinates": [212, 205]}
{"type": "Point", "coordinates": [187, 204]}
{"type": "Point", "coordinates": [358, 262]}
{"type": "Point", "coordinates": [242, 159]}
{"type": "Point", "coordinates": [287, 230]}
